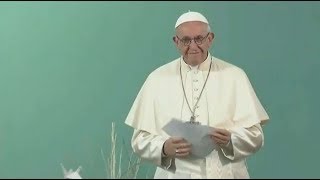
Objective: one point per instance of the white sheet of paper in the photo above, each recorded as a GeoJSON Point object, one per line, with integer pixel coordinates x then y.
{"type": "Point", "coordinates": [197, 135]}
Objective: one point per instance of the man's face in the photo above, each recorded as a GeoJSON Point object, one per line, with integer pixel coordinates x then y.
{"type": "Point", "coordinates": [193, 41]}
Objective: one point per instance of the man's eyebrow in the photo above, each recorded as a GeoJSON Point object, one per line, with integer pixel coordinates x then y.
{"type": "Point", "coordinates": [198, 36]}
{"type": "Point", "coordinates": [185, 37]}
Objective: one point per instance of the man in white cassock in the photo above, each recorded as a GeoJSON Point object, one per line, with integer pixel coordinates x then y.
{"type": "Point", "coordinates": [203, 89]}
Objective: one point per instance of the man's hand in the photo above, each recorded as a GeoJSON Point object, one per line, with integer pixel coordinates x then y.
{"type": "Point", "coordinates": [221, 137]}
{"type": "Point", "coordinates": [177, 147]}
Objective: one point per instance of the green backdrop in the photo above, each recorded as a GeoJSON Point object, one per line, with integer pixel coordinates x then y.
{"type": "Point", "coordinates": [70, 69]}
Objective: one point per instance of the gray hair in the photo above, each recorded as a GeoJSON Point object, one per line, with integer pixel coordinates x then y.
{"type": "Point", "coordinates": [208, 29]}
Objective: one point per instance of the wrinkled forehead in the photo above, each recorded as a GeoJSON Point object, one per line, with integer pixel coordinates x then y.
{"type": "Point", "coordinates": [192, 29]}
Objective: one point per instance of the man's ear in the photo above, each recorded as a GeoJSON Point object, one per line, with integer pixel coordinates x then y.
{"type": "Point", "coordinates": [211, 36]}
{"type": "Point", "coordinates": [175, 40]}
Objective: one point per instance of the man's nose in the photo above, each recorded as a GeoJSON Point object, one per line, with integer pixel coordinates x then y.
{"type": "Point", "coordinates": [193, 44]}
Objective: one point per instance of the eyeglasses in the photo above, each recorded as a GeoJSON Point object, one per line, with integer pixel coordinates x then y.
{"type": "Point", "coordinates": [198, 40]}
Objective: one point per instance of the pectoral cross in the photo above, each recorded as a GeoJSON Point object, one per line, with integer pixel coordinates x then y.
{"type": "Point", "coordinates": [193, 120]}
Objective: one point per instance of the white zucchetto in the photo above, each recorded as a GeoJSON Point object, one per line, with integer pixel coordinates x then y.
{"type": "Point", "coordinates": [191, 16]}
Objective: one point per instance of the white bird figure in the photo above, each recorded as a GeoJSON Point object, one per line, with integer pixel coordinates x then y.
{"type": "Point", "coordinates": [71, 174]}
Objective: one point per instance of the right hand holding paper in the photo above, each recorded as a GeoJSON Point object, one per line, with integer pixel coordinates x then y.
{"type": "Point", "coordinates": [198, 135]}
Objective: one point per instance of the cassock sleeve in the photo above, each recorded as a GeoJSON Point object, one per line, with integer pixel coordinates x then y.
{"type": "Point", "coordinates": [149, 147]}
{"type": "Point", "coordinates": [244, 142]}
